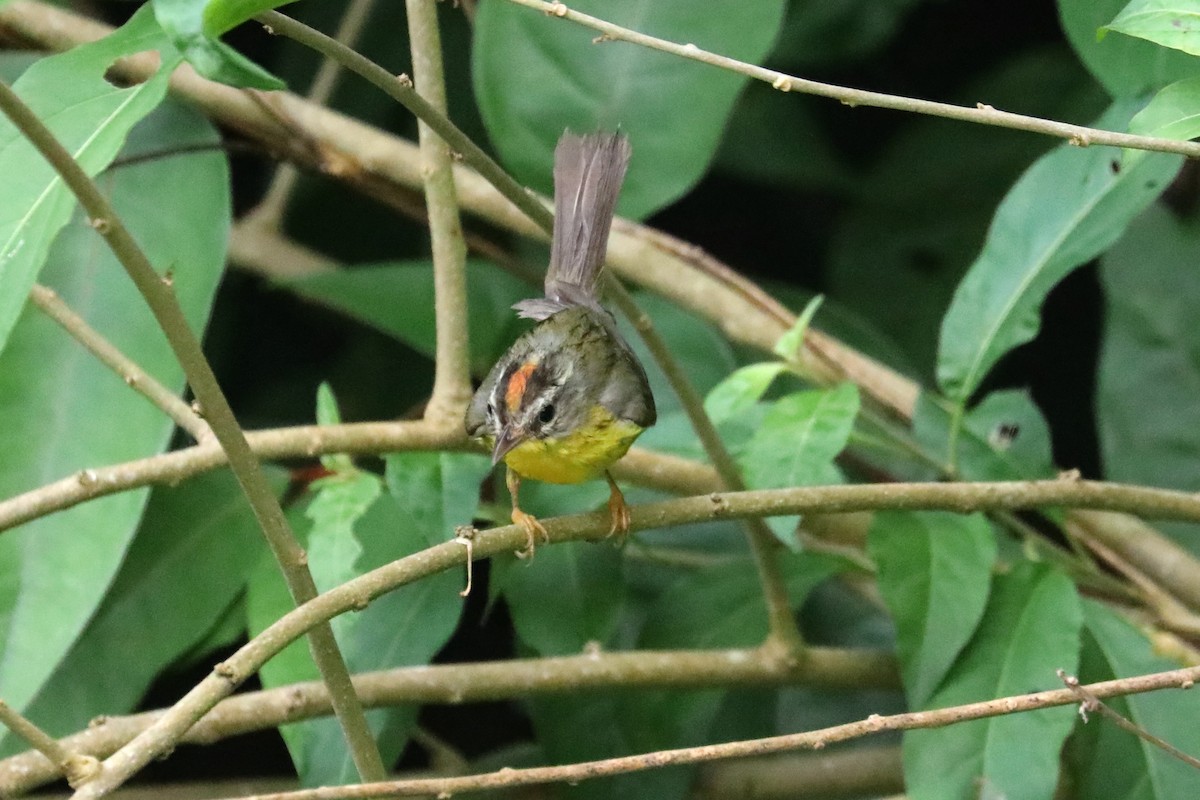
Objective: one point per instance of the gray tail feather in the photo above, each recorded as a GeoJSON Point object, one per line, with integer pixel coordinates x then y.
{"type": "Point", "coordinates": [588, 171]}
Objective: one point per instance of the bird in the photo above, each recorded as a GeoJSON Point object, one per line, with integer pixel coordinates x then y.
{"type": "Point", "coordinates": [568, 397]}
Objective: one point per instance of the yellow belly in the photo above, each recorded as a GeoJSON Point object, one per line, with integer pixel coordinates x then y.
{"type": "Point", "coordinates": [581, 455]}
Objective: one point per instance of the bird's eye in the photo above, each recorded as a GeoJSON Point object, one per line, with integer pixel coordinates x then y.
{"type": "Point", "coordinates": [546, 414]}
{"type": "Point", "coordinates": [491, 410]}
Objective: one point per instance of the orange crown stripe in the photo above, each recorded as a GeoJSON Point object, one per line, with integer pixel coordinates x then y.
{"type": "Point", "coordinates": [516, 386]}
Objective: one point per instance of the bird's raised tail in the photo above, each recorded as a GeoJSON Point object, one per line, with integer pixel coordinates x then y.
{"type": "Point", "coordinates": [588, 171]}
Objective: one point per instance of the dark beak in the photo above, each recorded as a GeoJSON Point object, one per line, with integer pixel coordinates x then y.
{"type": "Point", "coordinates": [507, 440]}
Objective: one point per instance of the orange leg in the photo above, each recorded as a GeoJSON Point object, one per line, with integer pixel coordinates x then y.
{"type": "Point", "coordinates": [617, 509]}
{"type": "Point", "coordinates": [533, 529]}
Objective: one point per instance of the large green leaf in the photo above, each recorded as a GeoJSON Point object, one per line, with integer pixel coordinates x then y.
{"type": "Point", "coordinates": [1126, 67]}
{"type": "Point", "coordinates": [61, 411]}
{"type": "Point", "coordinates": [1029, 629]}
{"type": "Point", "coordinates": [429, 495]}
{"type": "Point", "coordinates": [1070, 206]}
{"type": "Point", "coordinates": [1112, 764]}
{"type": "Point", "coordinates": [1149, 371]}
{"type": "Point", "coordinates": [187, 565]}
{"type": "Point", "coordinates": [535, 76]}
{"type": "Point", "coordinates": [1171, 23]}
{"type": "Point", "coordinates": [935, 570]}
{"type": "Point", "coordinates": [91, 118]}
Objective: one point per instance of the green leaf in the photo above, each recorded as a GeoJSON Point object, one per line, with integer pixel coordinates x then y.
{"type": "Point", "coordinates": [1069, 207]}
{"type": "Point", "coordinates": [1031, 628]}
{"type": "Point", "coordinates": [1171, 23]}
{"type": "Point", "coordinates": [796, 442]}
{"type": "Point", "coordinates": [187, 565]}
{"type": "Point", "coordinates": [187, 23]}
{"type": "Point", "coordinates": [743, 388]}
{"type": "Point", "coordinates": [438, 491]}
{"type": "Point", "coordinates": [371, 294]}
{"type": "Point", "coordinates": [340, 501]}
{"type": "Point", "coordinates": [1127, 67]}
{"type": "Point", "coordinates": [224, 15]}
{"type": "Point", "coordinates": [1173, 113]}
{"type": "Point", "coordinates": [329, 414]}
{"type": "Point", "coordinates": [61, 411]}
{"type": "Point", "coordinates": [586, 583]}
{"type": "Point", "coordinates": [935, 570]}
{"type": "Point", "coordinates": [790, 343]}
{"type": "Point", "coordinates": [1148, 375]}
{"type": "Point", "coordinates": [91, 118]}
{"type": "Point", "coordinates": [429, 495]}
{"type": "Point", "coordinates": [536, 75]}
{"type": "Point", "coordinates": [1004, 438]}
{"type": "Point", "coordinates": [722, 606]}
{"type": "Point", "coordinates": [719, 607]}
{"type": "Point", "coordinates": [1109, 763]}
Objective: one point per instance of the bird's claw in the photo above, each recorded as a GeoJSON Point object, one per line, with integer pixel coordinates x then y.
{"type": "Point", "coordinates": [534, 530]}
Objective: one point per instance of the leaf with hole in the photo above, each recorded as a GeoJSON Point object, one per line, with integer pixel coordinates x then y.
{"type": "Point", "coordinates": [90, 117]}
{"type": "Point", "coordinates": [62, 411]}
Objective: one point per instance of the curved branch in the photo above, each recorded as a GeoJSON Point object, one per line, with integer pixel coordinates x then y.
{"type": "Point", "coordinates": [359, 592]}
{"type": "Point", "coordinates": [809, 740]}
{"type": "Point", "coordinates": [981, 113]}
{"type": "Point", "coordinates": [472, 683]}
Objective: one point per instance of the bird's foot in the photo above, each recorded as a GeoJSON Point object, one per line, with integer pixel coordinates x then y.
{"type": "Point", "coordinates": [534, 530]}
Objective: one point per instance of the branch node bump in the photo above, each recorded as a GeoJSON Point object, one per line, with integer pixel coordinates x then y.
{"type": "Point", "coordinates": [79, 769]}
{"type": "Point", "coordinates": [558, 9]}
{"type": "Point", "coordinates": [102, 226]}
{"type": "Point", "coordinates": [783, 83]}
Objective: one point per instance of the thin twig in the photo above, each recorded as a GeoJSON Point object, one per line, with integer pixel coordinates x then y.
{"type": "Point", "coordinates": [75, 767]}
{"type": "Point", "coordinates": [271, 209]}
{"type": "Point", "coordinates": [456, 684]}
{"type": "Point", "coordinates": [784, 636]}
{"type": "Point", "coordinates": [401, 90]}
{"type": "Point", "coordinates": [1090, 702]}
{"type": "Point", "coordinates": [809, 740]}
{"type": "Point", "coordinates": [451, 379]}
{"type": "Point", "coordinates": [665, 473]}
{"type": "Point", "coordinates": [160, 297]}
{"type": "Point", "coordinates": [981, 113]}
{"type": "Point", "coordinates": [126, 368]}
